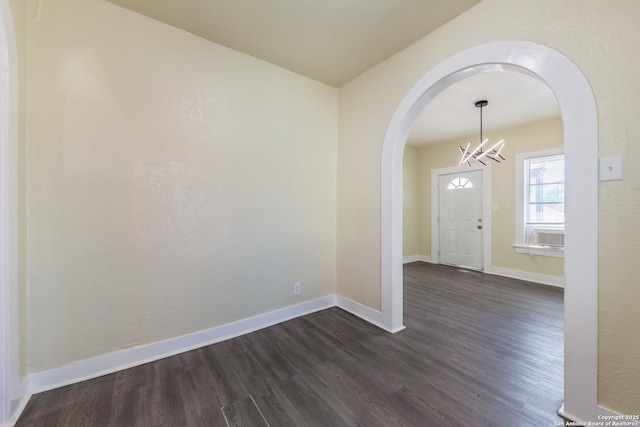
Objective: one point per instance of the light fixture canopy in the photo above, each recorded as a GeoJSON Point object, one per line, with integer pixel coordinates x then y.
{"type": "Point", "coordinates": [478, 153]}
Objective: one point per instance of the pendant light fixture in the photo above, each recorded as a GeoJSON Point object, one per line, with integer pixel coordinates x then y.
{"type": "Point", "coordinates": [492, 153]}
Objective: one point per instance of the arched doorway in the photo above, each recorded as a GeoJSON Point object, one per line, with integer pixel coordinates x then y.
{"type": "Point", "coordinates": [578, 109]}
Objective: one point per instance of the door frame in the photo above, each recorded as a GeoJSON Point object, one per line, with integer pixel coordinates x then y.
{"type": "Point", "coordinates": [580, 121]}
{"type": "Point", "coordinates": [487, 228]}
{"type": "Point", "coordinates": [9, 301]}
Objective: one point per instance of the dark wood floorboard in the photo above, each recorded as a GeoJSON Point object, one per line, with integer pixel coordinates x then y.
{"type": "Point", "coordinates": [479, 350]}
{"type": "Point", "coordinates": [244, 412]}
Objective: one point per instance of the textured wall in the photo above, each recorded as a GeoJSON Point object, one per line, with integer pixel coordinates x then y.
{"type": "Point", "coordinates": [411, 196]}
{"type": "Point", "coordinates": [173, 184]}
{"type": "Point", "coordinates": [19, 17]}
{"type": "Point", "coordinates": [160, 166]}
{"type": "Point", "coordinates": [14, 27]}
{"type": "Point", "coordinates": [18, 10]}
{"type": "Point", "coordinates": [601, 38]}
{"type": "Point", "coordinates": [538, 136]}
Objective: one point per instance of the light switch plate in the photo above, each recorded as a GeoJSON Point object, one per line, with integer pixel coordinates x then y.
{"type": "Point", "coordinates": [611, 168]}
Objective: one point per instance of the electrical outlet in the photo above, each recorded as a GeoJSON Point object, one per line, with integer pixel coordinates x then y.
{"type": "Point", "coordinates": [297, 288]}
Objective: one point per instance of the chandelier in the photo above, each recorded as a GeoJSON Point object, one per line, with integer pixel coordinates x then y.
{"type": "Point", "coordinates": [480, 153]}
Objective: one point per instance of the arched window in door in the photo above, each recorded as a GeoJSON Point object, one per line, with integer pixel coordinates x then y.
{"type": "Point", "coordinates": [459, 183]}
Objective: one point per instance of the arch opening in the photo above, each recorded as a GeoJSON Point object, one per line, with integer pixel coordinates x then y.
{"type": "Point", "coordinates": [578, 109]}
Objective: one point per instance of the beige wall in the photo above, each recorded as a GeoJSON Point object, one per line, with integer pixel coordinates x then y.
{"type": "Point", "coordinates": [601, 38]}
{"type": "Point", "coordinates": [159, 166]}
{"type": "Point", "coordinates": [173, 184]}
{"type": "Point", "coordinates": [410, 197]}
{"type": "Point", "coordinates": [19, 15]}
{"type": "Point", "coordinates": [539, 136]}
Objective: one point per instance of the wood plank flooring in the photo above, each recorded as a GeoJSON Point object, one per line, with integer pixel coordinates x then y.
{"type": "Point", "coordinates": [479, 350]}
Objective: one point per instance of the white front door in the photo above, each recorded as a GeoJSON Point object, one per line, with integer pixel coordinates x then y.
{"type": "Point", "coordinates": [460, 219]}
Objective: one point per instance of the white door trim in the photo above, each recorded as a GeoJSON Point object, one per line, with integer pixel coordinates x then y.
{"type": "Point", "coordinates": [9, 328]}
{"type": "Point", "coordinates": [578, 107]}
{"type": "Point", "coordinates": [486, 210]}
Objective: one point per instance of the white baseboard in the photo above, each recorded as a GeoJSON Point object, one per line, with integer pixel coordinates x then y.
{"type": "Point", "coordinates": [19, 402]}
{"type": "Point", "coordinates": [543, 279]}
{"type": "Point", "coordinates": [365, 313]}
{"type": "Point", "coordinates": [123, 359]}
{"type": "Point", "coordinates": [569, 416]}
{"type": "Point", "coordinates": [127, 358]}
{"type": "Point", "coordinates": [135, 356]}
{"type": "Point", "coordinates": [414, 258]}
{"type": "Point", "coordinates": [410, 258]}
{"type": "Point", "coordinates": [603, 415]}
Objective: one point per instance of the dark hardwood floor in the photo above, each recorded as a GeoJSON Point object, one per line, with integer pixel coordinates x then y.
{"type": "Point", "coordinates": [479, 350]}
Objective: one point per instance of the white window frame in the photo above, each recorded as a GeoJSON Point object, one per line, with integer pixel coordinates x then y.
{"type": "Point", "coordinates": [520, 244]}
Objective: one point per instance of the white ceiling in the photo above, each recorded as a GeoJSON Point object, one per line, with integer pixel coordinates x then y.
{"type": "Point", "coordinates": [331, 41]}
{"type": "Point", "coordinates": [515, 99]}
{"type": "Point", "coordinates": [334, 41]}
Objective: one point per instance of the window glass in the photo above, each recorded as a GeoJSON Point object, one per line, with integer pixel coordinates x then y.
{"type": "Point", "coordinates": [545, 188]}
{"type": "Point", "coordinates": [459, 184]}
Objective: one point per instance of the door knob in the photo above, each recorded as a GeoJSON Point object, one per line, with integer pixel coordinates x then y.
{"type": "Point", "coordinates": [479, 227]}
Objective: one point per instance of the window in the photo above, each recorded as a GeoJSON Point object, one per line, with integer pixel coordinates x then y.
{"type": "Point", "coordinates": [545, 191]}
{"type": "Point", "coordinates": [540, 198]}
{"type": "Point", "coordinates": [459, 184]}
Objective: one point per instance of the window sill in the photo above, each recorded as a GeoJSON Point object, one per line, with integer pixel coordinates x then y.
{"type": "Point", "coordinates": [539, 250]}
